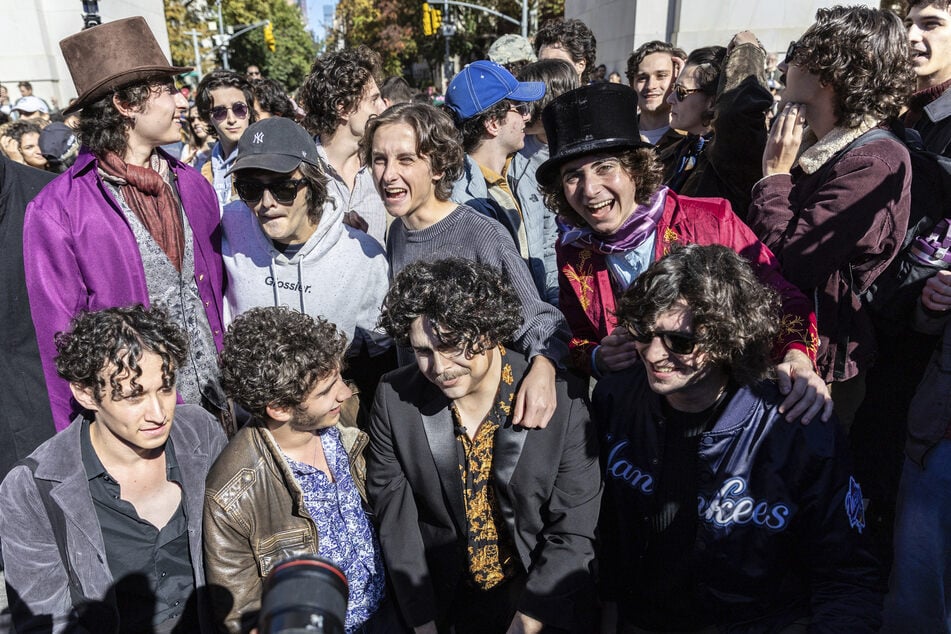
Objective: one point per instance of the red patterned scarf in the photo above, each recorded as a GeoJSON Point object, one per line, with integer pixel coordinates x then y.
{"type": "Point", "coordinates": [152, 201]}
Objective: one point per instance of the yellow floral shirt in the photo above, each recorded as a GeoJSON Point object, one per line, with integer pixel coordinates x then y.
{"type": "Point", "coordinates": [489, 548]}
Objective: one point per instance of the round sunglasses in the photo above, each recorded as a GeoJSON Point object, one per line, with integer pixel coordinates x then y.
{"type": "Point", "coordinates": [239, 108]}
{"type": "Point", "coordinates": [676, 342]}
{"type": "Point", "coordinates": [284, 192]}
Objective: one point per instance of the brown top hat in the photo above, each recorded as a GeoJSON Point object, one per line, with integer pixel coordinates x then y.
{"type": "Point", "coordinates": [111, 55]}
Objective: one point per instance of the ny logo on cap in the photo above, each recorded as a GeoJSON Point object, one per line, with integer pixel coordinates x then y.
{"type": "Point", "coordinates": [258, 137]}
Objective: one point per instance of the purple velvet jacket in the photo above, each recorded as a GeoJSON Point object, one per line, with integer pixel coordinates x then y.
{"type": "Point", "coordinates": [80, 254]}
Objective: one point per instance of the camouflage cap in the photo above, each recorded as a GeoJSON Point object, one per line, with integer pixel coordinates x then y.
{"type": "Point", "coordinates": [511, 48]}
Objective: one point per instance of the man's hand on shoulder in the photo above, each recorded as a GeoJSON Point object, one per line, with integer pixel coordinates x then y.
{"type": "Point", "coordinates": [523, 624]}
{"type": "Point", "coordinates": [536, 400]}
{"type": "Point", "coordinates": [805, 391]}
{"type": "Point", "coordinates": [616, 351]}
{"type": "Point", "coordinates": [356, 221]}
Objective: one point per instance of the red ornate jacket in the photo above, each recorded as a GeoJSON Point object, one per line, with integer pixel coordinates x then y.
{"type": "Point", "coordinates": [586, 294]}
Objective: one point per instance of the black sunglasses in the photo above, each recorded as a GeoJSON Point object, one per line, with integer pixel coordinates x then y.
{"type": "Point", "coordinates": [284, 192]}
{"type": "Point", "coordinates": [676, 342]}
{"type": "Point", "coordinates": [681, 93]}
{"type": "Point", "coordinates": [239, 108]}
{"type": "Point", "coordinates": [522, 108]}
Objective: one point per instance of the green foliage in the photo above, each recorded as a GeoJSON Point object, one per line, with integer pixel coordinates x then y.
{"type": "Point", "coordinates": [294, 50]}
{"type": "Point", "coordinates": [402, 41]}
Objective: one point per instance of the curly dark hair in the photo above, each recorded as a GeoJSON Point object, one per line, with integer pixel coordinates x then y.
{"type": "Point", "coordinates": [649, 48]}
{"type": "Point", "coordinates": [436, 139]}
{"type": "Point", "coordinates": [473, 129]}
{"type": "Point", "coordinates": [472, 306]}
{"type": "Point", "coordinates": [641, 164]}
{"type": "Point", "coordinates": [558, 76]}
{"type": "Point", "coordinates": [113, 340]}
{"type": "Point", "coordinates": [335, 85]}
{"type": "Point", "coordinates": [222, 79]}
{"type": "Point", "coordinates": [709, 61]}
{"type": "Point", "coordinates": [18, 128]}
{"type": "Point", "coordinates": [862, 53]}
{"type": "Point", "coordinates": [574, 37]}
{"type": "Point", "coordinates": [270, 96]}
{"type": "Point", "coordinates": [735, 317]}
{"type": "Point", "coordinates": [275, 356]}
{"type": "Point", "coordinates": [102, 128]}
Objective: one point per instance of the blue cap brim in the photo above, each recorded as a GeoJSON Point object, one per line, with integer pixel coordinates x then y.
{"type": "Point", "coordinates": [527, 91]}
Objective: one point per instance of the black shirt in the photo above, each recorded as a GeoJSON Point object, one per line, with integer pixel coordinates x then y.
{"type": "Point", "coordinates": [152, 568]}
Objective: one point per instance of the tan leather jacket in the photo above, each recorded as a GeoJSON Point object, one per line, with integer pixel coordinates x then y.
{"type": "Point", "coordinates": [255, 517]}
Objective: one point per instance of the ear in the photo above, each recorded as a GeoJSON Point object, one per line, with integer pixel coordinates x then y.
{"type": "Point", "coordinates": [580, 66]}
{"type": "Point", "coordinates": [279, 413]}
{"type": "Point", "coordinates": [124, 109]}
{"type": "Point", "coordinates": [492, 126]}
{"type": "Point", "coordinates": [84, 396]}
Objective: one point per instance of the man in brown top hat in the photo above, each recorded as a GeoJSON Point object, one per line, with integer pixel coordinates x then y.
{"type": "Point", "coordinates": [127, 223]}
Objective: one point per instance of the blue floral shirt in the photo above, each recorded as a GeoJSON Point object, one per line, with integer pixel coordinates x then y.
{"type": "Point", "coordinates": [346, 536]}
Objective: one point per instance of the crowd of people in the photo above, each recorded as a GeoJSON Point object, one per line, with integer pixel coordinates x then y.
{"type": "Point", "coordinates": [554, 354]}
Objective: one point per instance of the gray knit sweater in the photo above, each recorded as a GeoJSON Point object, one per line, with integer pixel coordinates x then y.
{"type": "Point", "coordinates": [465, 233]}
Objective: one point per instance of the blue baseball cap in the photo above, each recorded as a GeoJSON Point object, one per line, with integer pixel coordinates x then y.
{"type": "Point", "coordinates": [482, 84]}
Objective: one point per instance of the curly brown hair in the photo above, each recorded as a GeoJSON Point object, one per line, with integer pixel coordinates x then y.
{"type": "Point", "coordinates": [649, 48]}
{"type": "Point", "coordinates": [437, 140]}
{"type": "Point", "coordinates": [472, 306]}
{"type": "Point", "coordinates": [641, 164]}
{"type": "Point", "coordinates": [275, 356]}
{"type": "Point", "coordinates": [113, 341]}
{"type": "Point", "coordinates": [862, 53]}
{"type": "Point", "coordinates": [574, 37]}
{"type": "Point", "coordinates": [102, 128]}
{"type": "Point", "coordinates": [335, 85]}
{"type": "Point", "coordinates": [735, 317]}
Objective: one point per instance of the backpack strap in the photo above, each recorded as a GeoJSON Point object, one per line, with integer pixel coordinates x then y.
{"type": "Point", "coordinates": [58, 524]}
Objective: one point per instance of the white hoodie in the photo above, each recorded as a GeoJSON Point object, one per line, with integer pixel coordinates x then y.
{"type": "Point", "coordinates": [339, 274]}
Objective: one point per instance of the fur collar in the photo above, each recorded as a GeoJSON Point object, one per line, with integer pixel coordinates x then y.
{"type": "Point", "coordinates": [817, 152]}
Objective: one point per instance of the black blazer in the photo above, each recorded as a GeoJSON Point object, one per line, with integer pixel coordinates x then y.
{"type": "Point", "coordinates": [547, 483]}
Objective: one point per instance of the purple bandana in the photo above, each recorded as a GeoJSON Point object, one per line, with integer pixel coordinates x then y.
{"type": "Point", "coordinates": [636, 229]}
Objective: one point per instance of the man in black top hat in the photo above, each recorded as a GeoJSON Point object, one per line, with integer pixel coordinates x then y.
{"type": "Point", "coordinates": [606, 184]}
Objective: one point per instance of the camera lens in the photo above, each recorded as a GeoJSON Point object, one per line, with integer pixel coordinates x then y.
{"type": "Point", "coordinates": [304, 594]}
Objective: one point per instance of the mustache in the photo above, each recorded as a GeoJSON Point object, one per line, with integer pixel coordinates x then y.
{"type": "Point", "coordinates": [449, 375]}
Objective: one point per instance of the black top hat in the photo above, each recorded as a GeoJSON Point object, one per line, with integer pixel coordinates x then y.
{"type": "Point", "coordinates": [590, 119]}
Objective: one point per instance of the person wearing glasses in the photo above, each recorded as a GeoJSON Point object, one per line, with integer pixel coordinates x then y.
{"type": "Point", "coordinates": [491, 109]}
{"type": "Point", "coordinates": [127, 223]}
{"type": "Point", "coordinates": [717, 513]}
{"type": "Point", "coordinates": [283, 246]}
{"type": "Point", "coordinates": [720, 100]}
{"type": "Point", "coordinates": [834, 201]}
{"type": "Point", "coordinates": [604, 183]}
{"type": "Point", "coordinates": [225, 101]}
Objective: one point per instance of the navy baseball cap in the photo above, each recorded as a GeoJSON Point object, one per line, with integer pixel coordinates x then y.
{"type": "Point", "coordinates": [276, 144]}
{"type": "Point", "coordinates": [482, 84]}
